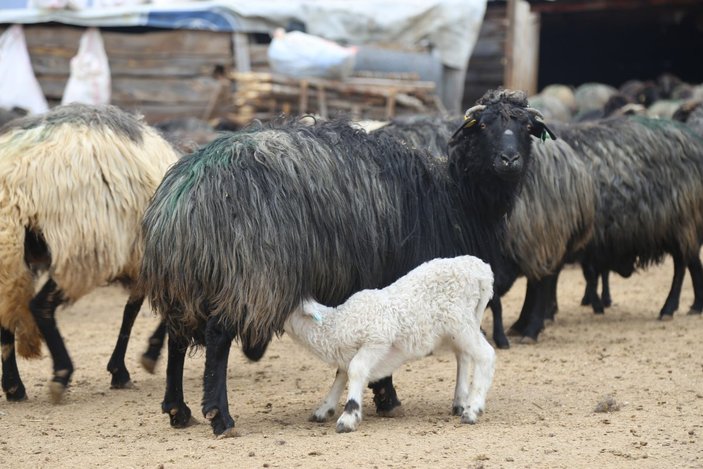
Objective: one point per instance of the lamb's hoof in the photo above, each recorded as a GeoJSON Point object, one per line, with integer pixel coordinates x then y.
{"type": "Point", "coordinates": [347, 423]}
{"type": "Point", "coordinates": [693, 312]}
{"type": "Point", "coordinates": [585, 301]}
{"type": "Point", "coordinates": [457, 410]}
{"type": "Point", "coordinates": [527, 340]}
{"type": "Point", "coordinates": [501, 342]}
{"type": "Point", "coordinates": [148, 363]}
{"type": "Point", "coordinates": [56, 392]}
{"type": "Point", "coordinates": [469, 417]}
{"type": "Point", "coordinates": [321, 417]}
{"type": "Point", "coordinates": [607, 302]}
{"type": "Point", "coordinates": [549, 322]}
{"type": "Point", "coordinates": [513, 332]}
{"type": "Point", "coordinates": [666, 317]}
{"type": "Point", "coordinates": [598, 311]}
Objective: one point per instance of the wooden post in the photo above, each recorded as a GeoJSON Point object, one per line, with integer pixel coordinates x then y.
{"type": "Point", "coordinates": [521, 47]}
{"type": "Point", "coordinates": [240, 46]}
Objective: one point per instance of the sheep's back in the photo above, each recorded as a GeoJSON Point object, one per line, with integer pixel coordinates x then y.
{"type": "Point", "coordinates": [649, 176]}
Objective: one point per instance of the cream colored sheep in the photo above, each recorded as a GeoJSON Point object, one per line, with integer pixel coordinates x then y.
{"type": "Point", "coordinates": [74, 184]}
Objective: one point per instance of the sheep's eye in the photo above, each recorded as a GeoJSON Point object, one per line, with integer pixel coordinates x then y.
{"type": "Point", "coordinates": [483, 126]}
{"type": "Point", "coordinates": [529, 127]}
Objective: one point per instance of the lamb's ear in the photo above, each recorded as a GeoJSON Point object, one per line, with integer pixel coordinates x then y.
{"type": "Point", "coordinates": [470, 119]}
{"type": "Point", "coordinates": [538, 128]}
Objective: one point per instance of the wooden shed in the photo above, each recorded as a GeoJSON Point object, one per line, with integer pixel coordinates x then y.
{"type": "Point", "coordinates": [530, 44]}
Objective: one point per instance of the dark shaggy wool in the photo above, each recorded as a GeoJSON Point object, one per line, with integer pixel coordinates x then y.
{"type": "Point", "coordinates": [648, 173]}
{"type": "Point", "coordinates": [251, 224]}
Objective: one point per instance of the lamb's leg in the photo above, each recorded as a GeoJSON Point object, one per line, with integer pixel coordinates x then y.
{"type": "Point", "coordinates": [116, 366]}
{"type": "Point", "coordinates": [11, 382]}
{"type": "Point", "coordinates": [672, 300]}
{"type": "Point", "coordinates": [358, 372]}
{"type": "Point", "coordinates": [173, 403]}
{"type": "Point", "coordinates": [385, 397]}
{"type": "Point", "coordinates": [43, 306]}
{"type": "Point", "coordinates": [696, 270]}
{"type": "Point", "coordinates": [329, 404]}
{"type": "Point", "coordinates": [218, 340]}
{"type": "Point", "coordinates": [156, 343]}
{"type": "Point", "coordinates": [470, 402]}
{"type": "Point", "coordinates": [551, 300]}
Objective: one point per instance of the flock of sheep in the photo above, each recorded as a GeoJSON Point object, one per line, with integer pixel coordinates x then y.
{"type": "Point", "coordinates": [369, 248]}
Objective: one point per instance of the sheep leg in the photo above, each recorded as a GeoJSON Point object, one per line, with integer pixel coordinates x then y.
{"type": "Point", "coordinates": [469, 401]}
{"type": "Point", "coordinates": [518, 327]}
{"type": "Point", "coordinates": [696, 270]}
{"type": "Point", "coordinates": [605, 289]}
{"type": "Point", "coordinates": [385, 397]}
{"type": "Point", "coordinates": [327, 408]}
{"type": "Point", "coordinates": [672, 301]}
{"type": "Point", "coordinates": [43, 307]}
{"type": "Point", "coordinates": [590, 296]}
{"type": "Point", "coordinates": [358, 374]}
{"type": "Point", "coordinates": [156, 343]}
{"type": "Point", "coordinates": [11, 382]}
{"type": "Point", "coordinates": [116, 366]}
{"type": "Point", "coordinates": [499, 337]}
{"type": "Point", "coordinates": [173, 403]}
{"type": "Point", "coordinates": [552, 307]}
{"type": "Point", "coordinates": [535, 315]}
{"type": "Point", "coordinates": [218, 341]}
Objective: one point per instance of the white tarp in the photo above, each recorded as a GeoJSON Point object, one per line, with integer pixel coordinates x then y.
{"type": "Point", "coordinates": [450, 26]}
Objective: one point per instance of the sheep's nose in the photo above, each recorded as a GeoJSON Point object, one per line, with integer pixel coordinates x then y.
{"type": "Point", "coordinates": [509, 159]}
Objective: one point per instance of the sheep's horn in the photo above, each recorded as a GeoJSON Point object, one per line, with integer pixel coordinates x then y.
{"type": "Point", "coordinates": [473, 110]}
{"type": "Point", "coordinates": [534, 111]}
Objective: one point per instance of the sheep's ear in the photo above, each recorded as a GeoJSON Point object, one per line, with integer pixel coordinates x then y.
{"type": "Point", "coordinates": [538, 128]}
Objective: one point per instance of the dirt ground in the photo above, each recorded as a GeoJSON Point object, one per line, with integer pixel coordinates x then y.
{"type": "Point", "coordinates": [540, 411]}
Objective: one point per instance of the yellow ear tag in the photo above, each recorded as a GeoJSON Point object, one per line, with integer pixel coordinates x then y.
{"type": "Point", "coordinates": [470, 123]}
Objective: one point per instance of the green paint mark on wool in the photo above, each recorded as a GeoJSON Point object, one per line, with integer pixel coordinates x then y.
{"type": "Point", "coordinates": [210, 159]}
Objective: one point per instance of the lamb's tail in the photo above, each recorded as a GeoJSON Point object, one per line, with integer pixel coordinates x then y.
{"type": "Point", "coordinates": [483, 273]}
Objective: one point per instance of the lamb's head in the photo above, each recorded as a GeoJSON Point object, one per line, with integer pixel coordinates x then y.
{"type": "Point", "coordinates": [496, 136]}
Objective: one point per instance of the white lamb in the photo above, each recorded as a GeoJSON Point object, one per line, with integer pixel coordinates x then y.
{"type": "Point", "coordinates": [375, 331]}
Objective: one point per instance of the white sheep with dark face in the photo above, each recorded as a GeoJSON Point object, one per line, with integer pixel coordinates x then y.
{"type": "Point", "coordinates": [440, 302]}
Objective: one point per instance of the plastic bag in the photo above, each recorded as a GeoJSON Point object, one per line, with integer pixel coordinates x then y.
{"type": "Point", "coordinates": [303, 55]}
{"type": "Point", "coordinates": [89, 82]}
{"type": "Point", "coordinates": [18, 85]}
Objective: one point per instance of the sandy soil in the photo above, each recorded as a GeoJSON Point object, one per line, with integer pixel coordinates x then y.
{"type": "Point", "coordinates": [541, 409]}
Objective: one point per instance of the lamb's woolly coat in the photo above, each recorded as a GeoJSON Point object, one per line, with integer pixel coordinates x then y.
{"type": "Point", "coordinates": [79, 177]}
{"type": "Point", "coordinates": [413, 316]}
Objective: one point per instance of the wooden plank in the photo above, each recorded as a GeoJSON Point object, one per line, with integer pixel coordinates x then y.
{"type": "Point", "coordinates": [164, 90]}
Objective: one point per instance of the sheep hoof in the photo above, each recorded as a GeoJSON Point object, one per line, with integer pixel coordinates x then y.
{"type": "Point", "coordinates": [16, 393]}
{"type": "Point", "coordinates": [549, 322]}
{"type": "Point", "coordinates": [148, 363]}
{"type": "Point", "coordinates": [229, 433]}
{"type": "Point", "coordinates": [512, 332]}
{"type": "Point", "coordinates": [179, 416]}
{"type": "Point", "coordinates": [56, 391]}
{"type": "Point", "coordinates": [693, 312]}
{"type": "Point", "coordinates": [526, 340]}
{"type": "Point", "coordinates": [127, 385]}
{"type": "Point", "coordinates": [457, 410]}
{"type": "Point", "coordinates": [666, 317]}
{"type": "Point", "coordinates": [395, 412]}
